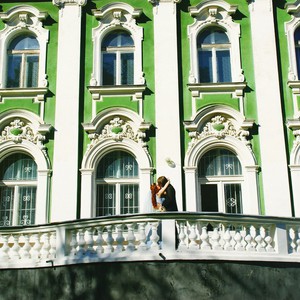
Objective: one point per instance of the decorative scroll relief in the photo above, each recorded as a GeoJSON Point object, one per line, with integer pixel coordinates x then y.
{"type": "Point", "coordinates": [118, 130]}
{"type": "Point", "coordinates": [18, 130]}
{"type": "Point", "coordinates": [219, 127]}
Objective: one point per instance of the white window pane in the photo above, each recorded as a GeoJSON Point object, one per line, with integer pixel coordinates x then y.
{"type": "Point", "coordinates": [205, 66]}
{"type": "Point", "coordinates": [106, 200]}
{"type": "Point", "coordinates": [14, 71]}
{"type": "Point", "coordinates": [27, 205]}
{"type": "Point", "coordinates": [127, 68]}
{"type": "Point", "coordinates": [233, 198]}
{"type": "Point", "coordinates": [223, 65]}
{"type": "Point", "coordinates": [129, 198]}
{"type": "Point", "coordinates": [18, 167]}
{"type": "Point", "coordinates": [32, 70]}
{"type": "Point", "coordinates": [109, 68]}
{"type": "Point", "coordinates": [6, 205]}
{"type": "Point", "coordinates": [24, 43]}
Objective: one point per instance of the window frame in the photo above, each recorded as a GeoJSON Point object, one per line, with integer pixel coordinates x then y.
{"type": "Point", "coordinates": [24, 20]}
{"type": "Point", "coordinates": [213, 48]}
{"type": "Point", "coordinates": [221, 181]}
{"type": "Point", "coordinates": [24, 54]}
{"type": "Point", "coordinates": [118, 51]}
{"type": "Point", "coordinates": [16, 184]}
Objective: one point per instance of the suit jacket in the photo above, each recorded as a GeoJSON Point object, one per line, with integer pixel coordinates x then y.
{"type": "Point", "coordinates": [170, 199]}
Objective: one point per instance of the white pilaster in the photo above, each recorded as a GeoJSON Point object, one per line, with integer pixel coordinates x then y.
{"type": "Point", "coordinates": [65, 160]}
{"type": "Point", "coordinates": [272, 144]}
{"type": "Point", "coordinates": [168, 156]}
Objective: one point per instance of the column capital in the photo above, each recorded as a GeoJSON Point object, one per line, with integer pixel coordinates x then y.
{"type": "Point", "coordinates": [156, 2]}
{"type": "Point", "coordinates": [62, 3]}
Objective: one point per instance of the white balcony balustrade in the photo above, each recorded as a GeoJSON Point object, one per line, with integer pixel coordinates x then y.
{"type": "Point", "coordinates": [168, 236]}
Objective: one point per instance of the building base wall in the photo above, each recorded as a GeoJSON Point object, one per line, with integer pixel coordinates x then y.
{"type": "Point", "coordinates": [154, 280]}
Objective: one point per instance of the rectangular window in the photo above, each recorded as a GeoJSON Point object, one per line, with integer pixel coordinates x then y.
{"type": "Point", "coordinates": [127, 68]}
{"type": "Point", "coordinates": [109, 68]}
{"type": "Point", "coordinates": [14, 71]}
{"type": "Point", "coordinates": [106, 200]}
{"type": "Point", "coordinates": [205, 66]}
{"type": "Point", "coordinates": [129, 198]}
{"type": "Point", "coordinates": [233, 198]}
{"type": "Point", "coordinates": [223, 65]}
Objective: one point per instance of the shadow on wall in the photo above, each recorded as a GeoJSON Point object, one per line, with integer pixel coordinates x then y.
{"type": "Point", "coordinates": [149, 280]}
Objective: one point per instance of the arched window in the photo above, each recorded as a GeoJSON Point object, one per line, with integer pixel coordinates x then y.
{"type": "Point", "coordinates": [117, 50]}
{"type": "Point", "coordinates": [117, 182]}
{"type": "Point", "coordinates": [23, 62]}
{"type": "Point", "coordinates": [297, 48]}
{"type": "Point", "coordinates": [214, 56]}
{"type": "Point", "coordinates": [18, 184]}
{"type": "Point", "coordinates": [220, 179]}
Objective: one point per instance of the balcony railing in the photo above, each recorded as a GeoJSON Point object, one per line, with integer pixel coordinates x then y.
{"type": "Point", "coordinates": [158, 236]}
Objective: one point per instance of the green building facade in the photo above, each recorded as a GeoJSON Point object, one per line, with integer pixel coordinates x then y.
{"type": "Point", "coordinates": [100, 98]}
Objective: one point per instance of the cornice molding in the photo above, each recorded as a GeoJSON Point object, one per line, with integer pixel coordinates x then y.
{"type": "Point", "coordinates": [62, 3]}
{"type": "Point", "coordinates": [156, 2]}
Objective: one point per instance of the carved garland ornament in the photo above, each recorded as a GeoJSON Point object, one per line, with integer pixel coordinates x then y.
{"type": "Point", "coordinates": [18, 131]}
{"type": "Point", "coordinates": [117, 129]}
{"type": "Point", "coordinates": [219, 127]}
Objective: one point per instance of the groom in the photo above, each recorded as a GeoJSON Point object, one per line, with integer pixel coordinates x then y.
{"type": "Point", "coordinates": [170, 196]}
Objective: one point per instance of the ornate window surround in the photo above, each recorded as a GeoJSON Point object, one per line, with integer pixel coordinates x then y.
{"type": "Point", "coordinates": [129, 138]}
{"type": "Point", "coordinates": [293, 77]}
{"type": "Point", "coordinates": [24, 19]}
{"type": "Point", "coordinates": [217, 13]}
{"type": "Point", "coordinates": [294, 165]}
{"type": "Point", "coordinates": [112, 17]}
{"type": "Point", "coordinates": [32, 144]}
{"type": "Point", "coordinates": [230, 134]}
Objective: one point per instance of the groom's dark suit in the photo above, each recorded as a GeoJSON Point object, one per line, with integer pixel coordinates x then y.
{"type": "Point", "coordinates": [170, 199]}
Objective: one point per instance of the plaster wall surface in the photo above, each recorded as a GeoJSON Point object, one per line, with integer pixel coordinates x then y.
{"type": "Point", "coordinates": [154, 280]}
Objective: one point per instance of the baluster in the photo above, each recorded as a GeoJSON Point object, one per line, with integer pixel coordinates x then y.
{"type": "Point", "coordinates": [90, 242]}
{"type": "Point", "coordinates": [4, 249]}
{"type": "Point", "coordinates": [25, 250]}
{"type": "Point", "coordinates": [227, 238]}
{"type": "Point", "coordinates": [100, 240]}
{"type": "Point", "coordinates": [215, 238]}
{"type": "Point", "coordinates": [46, 246]}
{"type": "Point", "coordinates": [260, 240]}
{"type": "Point", "coordinates": [292, 236]}
{"type": "Point", "coordinates": [35, 250]}
{"type": "Point", "coordinates": [297, 237]}
{"type": "Point", "coordinates": [120, 238]}
{"type": "Point", "coordinates": [204, 238]}
{"type": "Point", "coordinates": [193, 236]}
{"type": "Point", "coordinates": [109, 240]}
{"type": "Point", "coordinates": [248, 239]}
{"type": "Point", "coordinates": [81, 243]}
{"type": "Point", "coordinates": [142, 237]}
{"type": "Point", "coordinates": [182, 235]}
{"type": "Point", "coordinates": [238, 239]}
{"type": "Point", "coordinates": [14, 250]}
{"type": "Point", "coordinates": [154, 236]}
{"type": "Point", "coordinates": [52, 251]}
{"type": "Point", "coordinates": [130, 238]}
{"type": "Point", "coordinates": [73, 243]}
{"type": "Point", "coordinates": [269, 240]}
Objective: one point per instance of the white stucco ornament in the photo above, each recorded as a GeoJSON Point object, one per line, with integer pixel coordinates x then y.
{"type": "Point", "coordinates": [118, 130]}
{"type": "Point", "coordinates": [18, 131]}
{"type": "Point", "coordinates": [219, 126]}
